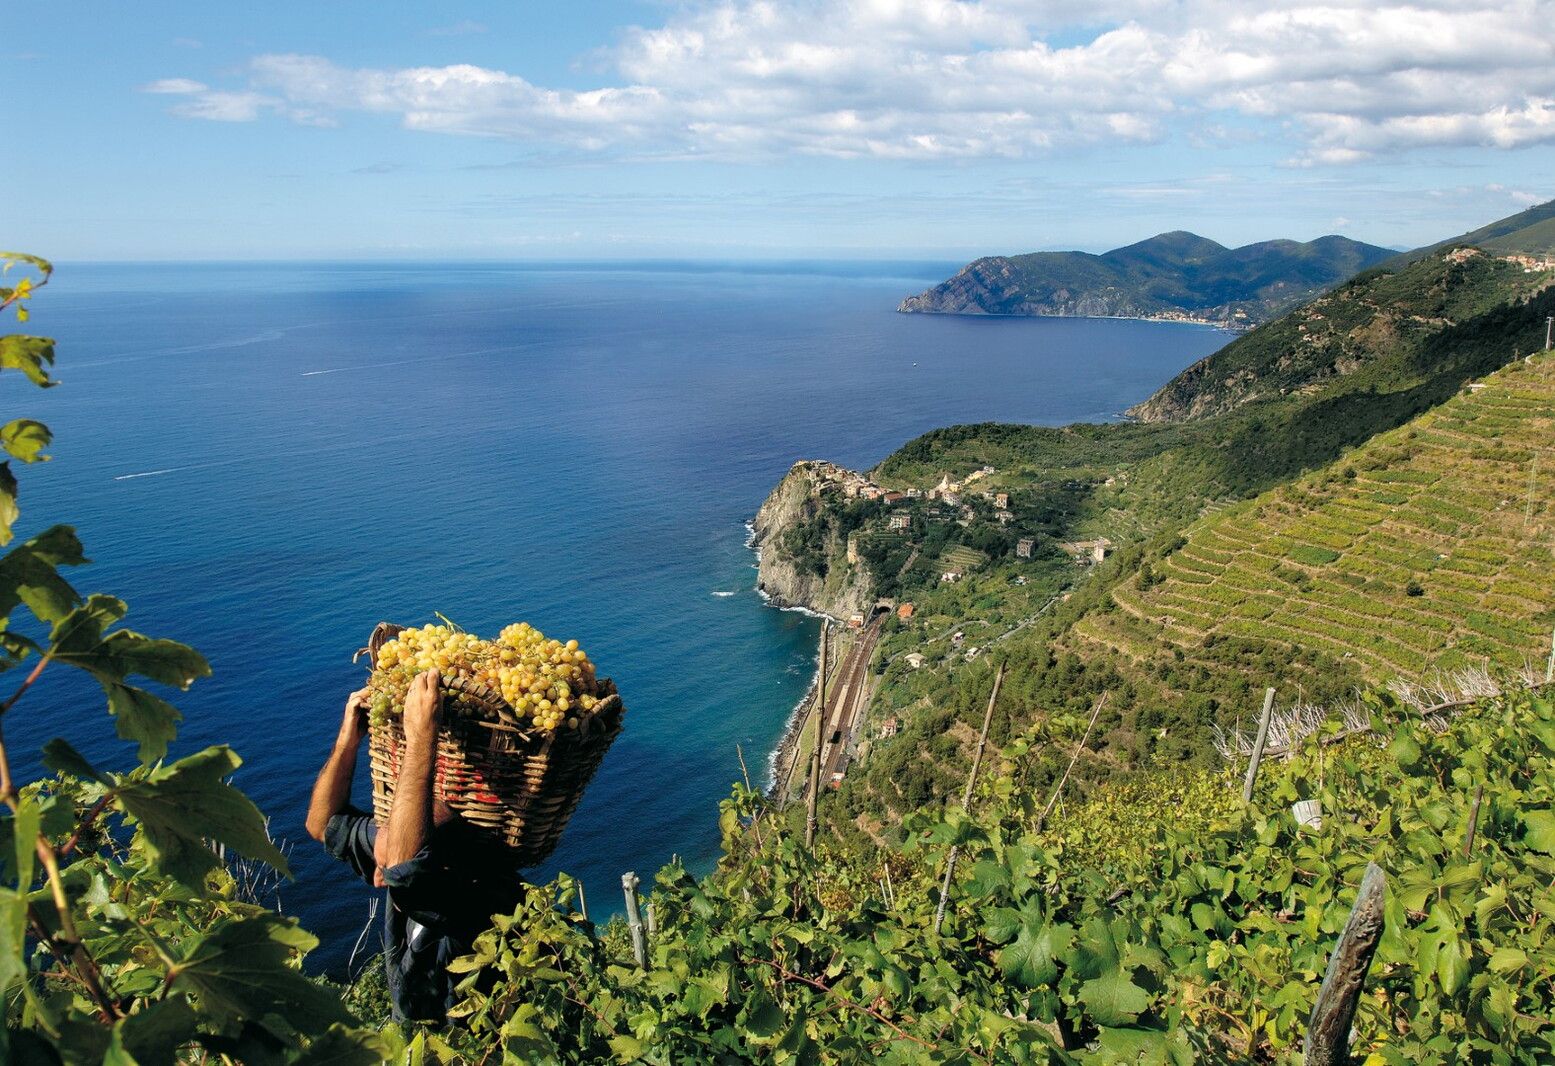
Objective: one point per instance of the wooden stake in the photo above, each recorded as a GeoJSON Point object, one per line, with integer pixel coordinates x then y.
{"type": "Point", "coordinates": [634, 919]}
{"type": "Point", "coordinates": [966, 799]}
{"type": "Point", "coordinates": [1058, 789]}
{"type": "Point", "coordinates": [583, 902]}
{"type": "Point", "coordinates": [1549, 667]}
{"type": "Point", "coordinates": [1468, 837]}
{"type": "Point", "coordinates": [814, 791]}
{"type": "Point", "coordinates": [1258, 745]}
{"type": "Point", "coordinates": [1328, 1030]}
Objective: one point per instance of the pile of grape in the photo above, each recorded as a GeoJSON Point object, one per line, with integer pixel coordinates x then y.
{"type": "Point", "coordinates": [547, 682]}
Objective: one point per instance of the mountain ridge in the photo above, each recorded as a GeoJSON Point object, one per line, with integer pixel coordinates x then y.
{"type": "Point", "coordinates": [1173, 275]}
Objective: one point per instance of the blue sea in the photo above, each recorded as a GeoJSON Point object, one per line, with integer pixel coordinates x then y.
{"type": "Point", "coordinates": [266, 460]}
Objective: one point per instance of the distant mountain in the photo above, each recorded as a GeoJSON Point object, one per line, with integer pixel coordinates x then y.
{"type": "Point", "coordinates": [1174, 275]}
{"type": "Point", "coordinates": [1530, 232]}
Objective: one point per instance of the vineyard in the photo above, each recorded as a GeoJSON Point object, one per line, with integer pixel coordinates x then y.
{"type": "Point", "coordinates": [1428, 548]}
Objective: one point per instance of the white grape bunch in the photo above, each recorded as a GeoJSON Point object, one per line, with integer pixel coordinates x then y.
{"type": "Point", "coordinates": [549, 683]}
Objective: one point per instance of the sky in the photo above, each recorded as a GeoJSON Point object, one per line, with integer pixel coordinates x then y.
{"type": "Point", "coordinates": [737, 129]}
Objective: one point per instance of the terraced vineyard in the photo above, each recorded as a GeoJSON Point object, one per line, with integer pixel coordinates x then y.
{"type": "Point", "coordinates": [1431, 546]}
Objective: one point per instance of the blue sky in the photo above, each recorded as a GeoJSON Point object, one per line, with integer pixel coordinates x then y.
{"type": "Point", "coordinates": [774, 128]}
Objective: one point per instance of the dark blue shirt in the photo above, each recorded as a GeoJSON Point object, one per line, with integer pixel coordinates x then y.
{"type": "Point", "coordinates": [437, 902]}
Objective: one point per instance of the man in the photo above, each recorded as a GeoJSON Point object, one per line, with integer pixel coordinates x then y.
{"type": "Point", "coordinates": [444, 878]}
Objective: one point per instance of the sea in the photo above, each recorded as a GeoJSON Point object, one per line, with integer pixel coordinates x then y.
{"type": "Point", "coordinates": [265, 460]}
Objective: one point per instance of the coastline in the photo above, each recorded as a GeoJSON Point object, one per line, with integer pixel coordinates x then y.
{"type": "Point", "coordinates": [793, 729]}
{"type": "Point", "coordinates": [1229, 327]}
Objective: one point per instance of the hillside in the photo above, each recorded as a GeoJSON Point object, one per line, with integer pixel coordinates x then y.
{"type": "Point", "coordinates": [1171, 275]}
{"type": "Point", "coordinates": [1425, 550]}
{"type": "Point", "coordinates": [1530, 232]}
{"type": "Point", "coordinates": [1176, 660]}
{"type": "Point", "coordinates": [1381, 315]}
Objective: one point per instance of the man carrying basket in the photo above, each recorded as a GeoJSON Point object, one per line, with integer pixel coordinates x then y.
{"type": "Point", "coordinates": [444, 879]}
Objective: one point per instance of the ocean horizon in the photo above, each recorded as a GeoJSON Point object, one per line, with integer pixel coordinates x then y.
{"type": "Point", "coordinates": [266, 459]}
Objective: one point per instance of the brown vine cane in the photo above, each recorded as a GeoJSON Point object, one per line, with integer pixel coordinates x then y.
{"type": "Point", "coordinates": [519, 785]}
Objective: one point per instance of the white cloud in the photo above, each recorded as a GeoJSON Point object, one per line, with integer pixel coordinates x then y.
{"type": "Point", "coordinates": [175, 86]}
{"type": "Point", "coordinates": [1344, 80]}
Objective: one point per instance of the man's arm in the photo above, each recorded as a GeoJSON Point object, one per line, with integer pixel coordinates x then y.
{"type": "Point", "coordinates": [410, 820]}
{"type": "Point", "coordinates": [332, 790]}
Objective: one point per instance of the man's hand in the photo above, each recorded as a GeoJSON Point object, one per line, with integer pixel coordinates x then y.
{"type": "Point", "coordinates": [423, 707]}
{"type": "Point", "coordinates": [353, 727]}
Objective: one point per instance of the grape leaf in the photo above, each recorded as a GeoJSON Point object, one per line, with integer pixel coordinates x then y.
{"type": "Point", "coordinates": [29, 574]}
{"type": "Point", "coordinates": [31, 355]}
{"type": "Point", "coordinates": [182, 806]}
{"type": "Point", "coordinates": [1113, 999]}
{"type": "Point", "coordinates": [25, 439]}
{"type": "Point", "coordinates": [242, 970]}
{"type": "Point", "coordinates": [142, 717]}
{"type": "Point", "coordinates": [1032, 960]}
{"type": "Point", "coordinates": [340, 1046]}
{"type": "Point", "coordinates": [152, 1036]}
{"type": "Point", "coordinates": [59, 756]}
{"type": "Point", "coordinates": [13, 902]}
{"type": "Point", "coordinates": [1539, 831]}
{"type": "Point", "coordinates": [78, 639]}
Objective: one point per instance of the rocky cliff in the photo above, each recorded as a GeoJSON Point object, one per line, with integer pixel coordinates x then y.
{"type": "Point", "coordinates": [820, 579]}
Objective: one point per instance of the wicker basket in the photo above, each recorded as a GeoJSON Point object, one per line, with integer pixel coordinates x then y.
{"type": "Point", "coordinates": [519, 785]}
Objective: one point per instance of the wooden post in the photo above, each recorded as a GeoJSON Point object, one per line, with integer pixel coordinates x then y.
{"type": "Point", "coordinates": [1468, 837]}
{"type": "Point", "coordinates": [814, 792]}
{"type": "Point", "coordinates": [634, 920]}
{"type": "Point", "coordinates": [583, 902]}
{"type": "Point", "coordinates": [1258, 745]}
{"type": "Point", "coordinates": [1328, 1030]}
{"type": "Point", "coordinates": [653, 920]}
{"type": "Point", "coordinates": [1549, 667]}
{"type": "Point", "coordinates": [966, 799]}
{"type": "Point", "coordinates": [1052, 801]}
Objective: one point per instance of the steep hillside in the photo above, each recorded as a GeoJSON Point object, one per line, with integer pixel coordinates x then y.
{"type": "Point", "coordinates": [1381, 315]}
{"type": "Point", "coordinates": [1431, 547]}
{"type": "Point", "coordinates": [1175, 660]}
{"type": "Point", "coordinates": [1172, 275]}
{"type": "Point", "coordinates": [1530, 232]}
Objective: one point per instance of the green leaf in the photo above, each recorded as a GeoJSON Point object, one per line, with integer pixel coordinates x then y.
{"type": "Point", "coordinates": [26, 439]}
{"type": "Point", "coordinates": [151, 1037]}
{"type": "Point", "coordinates": [1032, 960]}
{"type": "Point", "coordinates": [243, 969]}
{"type": "Point", "coordinates": [13, 902]}
{"type": "Point", "coordinates": [78, 639]}
{"type": "Point", "coordinates": [345, 1047]}
{"type": "Point", "coordinates": [1113, 999]}
{"type": "Point", "coordinates": [9, 512]}
{"type": "Point", "coordinates": [60, 757]}
{"type": "Point", "coordinates": [142, 717]}
{"type": "Point", "coordinates": [182, 806]}
{"type": "Point", "coordinates": [1539, 831]}
{"type": "Point", "coordinates": [763, 1017]}
{"type": "Point", "coordinates": [31, 355]}
{"type": "Point", "coordinates": [29, 574]}
{"type": "Point", "coordinates": [1505, 960]}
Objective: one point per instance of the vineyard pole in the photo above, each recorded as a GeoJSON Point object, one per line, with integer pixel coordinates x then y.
{"type": "Point", "coordinates": [1549, 667]}
{"type": "Point", "coordinates": [1258, 745]}
{"type": "Point", "coordinates": [812, 794]}
{"type": "Point", "coordinates": [634, 919]}
{"type": "Point", "coordinates": [1468, 837]}
{"type": "Point", "coordinates": [1058, 789]}
{"type": "Point", "coordinates": [583, 902]}
{"type": "Point", "coordinates": [966, 799]}
{"type": "Point", "coordinates": [1328, 1030]}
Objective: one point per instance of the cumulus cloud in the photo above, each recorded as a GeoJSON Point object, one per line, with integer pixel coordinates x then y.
{"type": "Point", "coordinates": [944, 79]}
